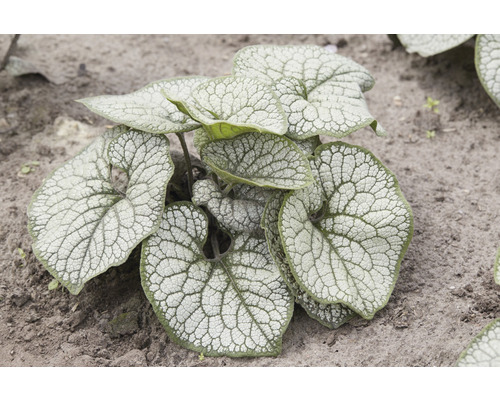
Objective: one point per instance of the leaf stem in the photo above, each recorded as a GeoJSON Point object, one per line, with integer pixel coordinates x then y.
{"type": "Point", "coordinates": [187, 158]}
{"type": "Point", "coordinates": [228, 188]}
{"type": "Point", "coordinates": [12, 48]}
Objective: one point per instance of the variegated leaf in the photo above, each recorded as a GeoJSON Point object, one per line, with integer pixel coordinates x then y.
{"type": "Point", "coordinates": [488, 64]}
{"type": "Point", "coordinates": [237, 305]}
{"type": "Point", "coordinates": [431, 44]}
{"type": "Point", "coordinates": [239, 214]}
{"type": "Point", "coordinates": [333, 109]}
{"type": "Point", "coordinates": [229, 106]}
{"type": "Point", "coordinates": [259, 160]}
{"type": "Point", "coordinates": [321, 92]}
{"type": "Point", "coordinates": [330, 315]}
{"type": "Point", "coordinates": [147, 109]}
{"type": "Point", "coordinates": [81, 225]}
{"type": "Point", "coordinates": [484, 350]}
{"type": "Point", "coordinates": [345, 236]}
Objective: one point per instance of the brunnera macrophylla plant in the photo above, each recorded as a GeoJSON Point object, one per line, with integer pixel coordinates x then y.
{"type": "Point", "coordinates": [268, 216]}
{"type": "Point", "coordinates": [487, 54]}
{"type": "Point", "coordinates": [484, 349]}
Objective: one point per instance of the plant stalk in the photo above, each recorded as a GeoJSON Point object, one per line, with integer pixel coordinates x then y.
{"type": "Point", "coordinates": [187, 158]}
{"type": "Point", "coordinates": [12, 48]}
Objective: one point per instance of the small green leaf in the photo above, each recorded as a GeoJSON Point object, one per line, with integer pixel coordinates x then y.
{"type": "Point", "coordinates": [81, 225]}
{"type": "Point", "coordinates": [21, 252]}
{"type": "Point", "coordinates": [259, 160]}
{"type": "Point", "coordinates": [431, 44]}
{"type": "Point", "coordinates": [345, 236]}
{"type": "Point", "coordinates": [25, 169]}
{"type": "Point", "coordinates": [147, 109]}
{"type": "Point", "coordinates": [237, 305]}
{"type": "Point", "coordinates": [229, 106]}
{"type": "Point", "coordinates": [488, 64]}
{"type": "Point", "coordinates": [330, 315]}
{"type": "Point", "coordinates": [484, 350]}
{"type": "Point", "coordinates": [54, 284]}
{"type": "Point", "coordinates": [239, 214]}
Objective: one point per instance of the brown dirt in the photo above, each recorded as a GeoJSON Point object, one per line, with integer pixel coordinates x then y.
{"type": "Point", "coordinates": [445, 293]}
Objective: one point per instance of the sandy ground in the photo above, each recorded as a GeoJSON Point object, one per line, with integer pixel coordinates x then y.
{"type": "Point", "coordinates": [445, 293]}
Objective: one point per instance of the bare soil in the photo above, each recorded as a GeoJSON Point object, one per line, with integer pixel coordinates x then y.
{"type": "Point", "coordinates": [445, 293]}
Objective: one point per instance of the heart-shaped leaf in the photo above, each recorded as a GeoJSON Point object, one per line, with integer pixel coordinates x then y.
{"type": "Point", "coordinates": [313, 65]}
{"type": "Point", "coordinates": [81, 225]}
{"type": "Point", "coordinates": [259, 160]}
{"type": "Point", "coordinates": [229, 106]}
{"type": "Point", "coordinates": [431, 44]}
{"type": "Point", "coordinates": [239, 214]}
{"type": "Point", "coordinates": [484, 350]}
{"type": "Point", "coordinates": [330, 315]}
{"type": "Point", "coordinates": [345, 236]}
{"type": "Point", "coordinates": [147, 109]}
{"type": "Point", "coordinates": [237, 305]}
{"type": "Point", "coordinates": [488, 64]}
{"type": "Point", "coordinates": [333, 109]}
{"type": "Point", "coordinates": [321, 92]}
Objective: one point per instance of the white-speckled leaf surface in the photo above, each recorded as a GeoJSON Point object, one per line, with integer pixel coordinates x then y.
{"type": "Point", "coordinates": [313, 65]}
{"type": "Point", "coordinates": [81, 225]}
{"type": "Point", "coordinates": [484, 350]}
{"type": "Point", "coordinates": [237, 306]}
{"type": "Point", "coordinates": [330, 315]}
{"type": "Point", "coordinates": [321, 92]}
{"type": "Point", "coordinates": [351, 252]}
{"type": "Point", "coordinates": [488, 64]}
{"type": "Point", "coordinates": [431, 44]}
{"type": "Point", "coordinates": [332, 109]}
{"type": "Point", "coordinates": [240, 213]}
{"type": "Point", "coordinates": [229, 106]}
{"type": "Point", "coordinates": [147, 109]}
{"type": "Point", "coordinates": [259, 160]}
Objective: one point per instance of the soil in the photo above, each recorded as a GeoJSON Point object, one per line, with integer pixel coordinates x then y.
{"type": "Point", "coordinates": [445, 292]}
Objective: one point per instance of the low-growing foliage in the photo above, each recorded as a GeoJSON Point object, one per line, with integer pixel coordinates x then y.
{"type": "Point", "coordinates": [487, 54]}
{"type": "Point", "coordinates": [267, 217]}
